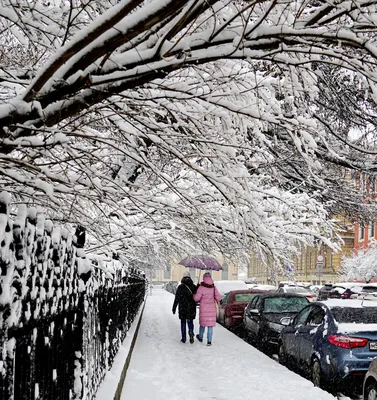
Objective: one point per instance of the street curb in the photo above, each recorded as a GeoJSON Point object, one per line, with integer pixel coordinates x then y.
{"type": "Point", "coordinates": [123, 374]}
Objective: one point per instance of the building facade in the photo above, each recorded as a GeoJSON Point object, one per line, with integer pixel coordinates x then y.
{"type": "Point", "coordinates": [175, 272]}
{"type": "Point", "coordinates": [314, 265]}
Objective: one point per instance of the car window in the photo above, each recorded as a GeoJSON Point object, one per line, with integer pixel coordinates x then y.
{"type": "Point", "coordinates": [302, 316]}
{"type": "Point", "coordinates": [365, 315]}
{"type": "Point", "coordinates": [244, 297]}
{"type": "Point", "coordinates": [369, 289]}
{"type": "Point", "coordinates": [252, 304]}
{"type": "Point", "coordinates": [258, 302]}
{"type": "Point", "coordinates": [284, 304]}
{"type": "Point", "coordinates": [316, 316]}
{"type": "Point", "coordinates": [225, 298]}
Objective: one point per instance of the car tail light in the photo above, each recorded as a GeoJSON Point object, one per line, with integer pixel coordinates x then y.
{"type": "Point", "coordinates": [347, 342]}
{"type": "Point", "coordinates": [358, 373]}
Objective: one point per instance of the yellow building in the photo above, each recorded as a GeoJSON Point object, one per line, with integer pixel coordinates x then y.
{"type": "Point", "coordinates": [175, 273]}
{"type": "Point", "coordinates": [315, 265]}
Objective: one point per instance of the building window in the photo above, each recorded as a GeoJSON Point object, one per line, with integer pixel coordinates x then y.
{"type": "Point", "coordinates": [371, 229]}
{"type": "Point", "coordinates": [372, 184]}
{"type": "Point", "coordinates": [167, 273]}
{"type": "Point", "coordinates": [363, 183]}
{"type": "Point", "coordinates": [361, 230]}
{"type": "Point", "coordinates": [224, 272]}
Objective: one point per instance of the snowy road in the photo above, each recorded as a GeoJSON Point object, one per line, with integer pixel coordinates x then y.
{"type": "Point", "coordinates": [163, 368]}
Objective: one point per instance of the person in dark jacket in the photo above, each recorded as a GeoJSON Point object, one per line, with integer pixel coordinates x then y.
{"type": "Point", "coordinates": [186, 306]}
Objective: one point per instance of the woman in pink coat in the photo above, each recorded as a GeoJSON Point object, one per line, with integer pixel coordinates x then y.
{"type": "Point", "coordinates": [207, 295]}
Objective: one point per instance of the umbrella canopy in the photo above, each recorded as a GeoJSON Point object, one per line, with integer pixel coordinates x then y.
{"type": "Point", "coordinates": [201, 262]}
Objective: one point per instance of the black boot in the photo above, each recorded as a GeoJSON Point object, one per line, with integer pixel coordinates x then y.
{"type": "Point", "coordinates": [183, 340]}
{"type": "Point", "coordinates": [199, 338]}
{"type": "Point", "coordinates": [191, 337]}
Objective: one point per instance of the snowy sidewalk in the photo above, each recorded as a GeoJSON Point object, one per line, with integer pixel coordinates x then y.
{"type": "Point", "coordinates": [163, 368]}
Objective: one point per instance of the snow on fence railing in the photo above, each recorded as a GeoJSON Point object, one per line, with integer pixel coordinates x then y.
{"type": "Point", "coordinates": [63, 316]}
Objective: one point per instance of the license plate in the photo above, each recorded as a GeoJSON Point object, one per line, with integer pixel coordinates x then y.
{"type": "Point", "coordinates": [373, 345]}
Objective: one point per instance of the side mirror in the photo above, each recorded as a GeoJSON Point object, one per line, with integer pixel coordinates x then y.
{"type": "Point", "coordinates": [254, 311]}
{"type": "Point", "coordinates": [221, 301]}
{"type": "Point", "coordinates": [286, 321]}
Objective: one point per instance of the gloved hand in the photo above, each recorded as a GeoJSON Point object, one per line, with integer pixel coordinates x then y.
{"type": "Point", "coordinates": [173, 312]}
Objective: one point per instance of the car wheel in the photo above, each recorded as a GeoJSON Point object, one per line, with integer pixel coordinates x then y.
{"type": "Point", "coordinates": [371, 392]}
{"type": "Point", "coordinates": [317, 374]}
{"type": "Point", "coordinates": [282, 355]}
{"type": "Point", "coordinates": [260, 343]}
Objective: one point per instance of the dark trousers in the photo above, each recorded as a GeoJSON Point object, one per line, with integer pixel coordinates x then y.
{"type": "Point", "coordinates": [190, 324]}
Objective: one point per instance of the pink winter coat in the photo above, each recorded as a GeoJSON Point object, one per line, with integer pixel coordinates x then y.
{"type": "Point", "coordinates": [207, 294]}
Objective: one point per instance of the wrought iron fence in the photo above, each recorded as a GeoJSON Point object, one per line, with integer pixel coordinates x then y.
{"type": "Point", "coordinates": [62, 316]}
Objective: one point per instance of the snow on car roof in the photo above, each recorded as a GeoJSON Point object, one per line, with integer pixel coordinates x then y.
{"type": "Point", "coordinates": [332, 303]}
{"type": "Point", "coordinates": [354, 327]}
{"type": "Point", "coordinates": [226, 286]}
{"type": "Point", "coordinates": [348, 284]}
{"type": "Point", "coordinates": [351, 327]}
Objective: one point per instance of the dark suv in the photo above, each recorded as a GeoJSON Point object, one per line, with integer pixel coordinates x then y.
{"type": "Point", "coordinates": [323, 293]}
{"type": "Point", "coordinates": [263, 314]}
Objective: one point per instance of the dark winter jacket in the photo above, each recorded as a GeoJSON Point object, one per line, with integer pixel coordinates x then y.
{"type": "Point", "coordinates": [184, 299]}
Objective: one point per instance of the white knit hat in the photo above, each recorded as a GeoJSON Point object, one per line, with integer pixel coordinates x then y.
{"type": "Point", "coordinates": [186, 273]}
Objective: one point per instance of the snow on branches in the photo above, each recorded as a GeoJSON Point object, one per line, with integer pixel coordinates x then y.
{"type": "Point", "coordinates": [230, 121]}
{"type": "Point", "coordinates": [361, 265]}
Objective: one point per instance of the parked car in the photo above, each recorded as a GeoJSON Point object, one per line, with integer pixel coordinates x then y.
{"type": "Point", "coordinates": [339, 290]}
{"type": "Point", "coordinates": [262, 317]}
{"type": "Point", "coordinates": [344, 291]}
{"type": "Point", "coordinates": [226, 286]}
{"type": "Point", "coordinates": [333, 341]}
{"type": "Point", "coordinates": [369, 289]}
{"type": "Point", "coordinates": [324, 291]}
{"type": "Point", "coordinates": [315, 289]}
{"type": "Point", "coordinates": [298, 290]}
{"type": "Point", "coordinates": [232, 306]}
{"type": "Point", "coordinates": [370, 382]}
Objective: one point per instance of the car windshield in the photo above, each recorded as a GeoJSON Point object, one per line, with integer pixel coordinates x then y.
{"type": "Point", "coordinates": [284, 304]}
{"type": "Point", "coordinates": [244, 297]}
{"type": "Point", "coordinates": [365, 315]}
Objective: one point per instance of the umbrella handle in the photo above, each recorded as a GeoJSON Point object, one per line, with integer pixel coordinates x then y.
{"type": "Point", "coordinates": [200, 271]}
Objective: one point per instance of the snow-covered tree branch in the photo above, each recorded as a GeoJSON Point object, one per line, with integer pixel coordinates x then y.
{"type": "Point", "coordinates": [361, 266]}
{"type": "Point", "coordinates": [193, 124]}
